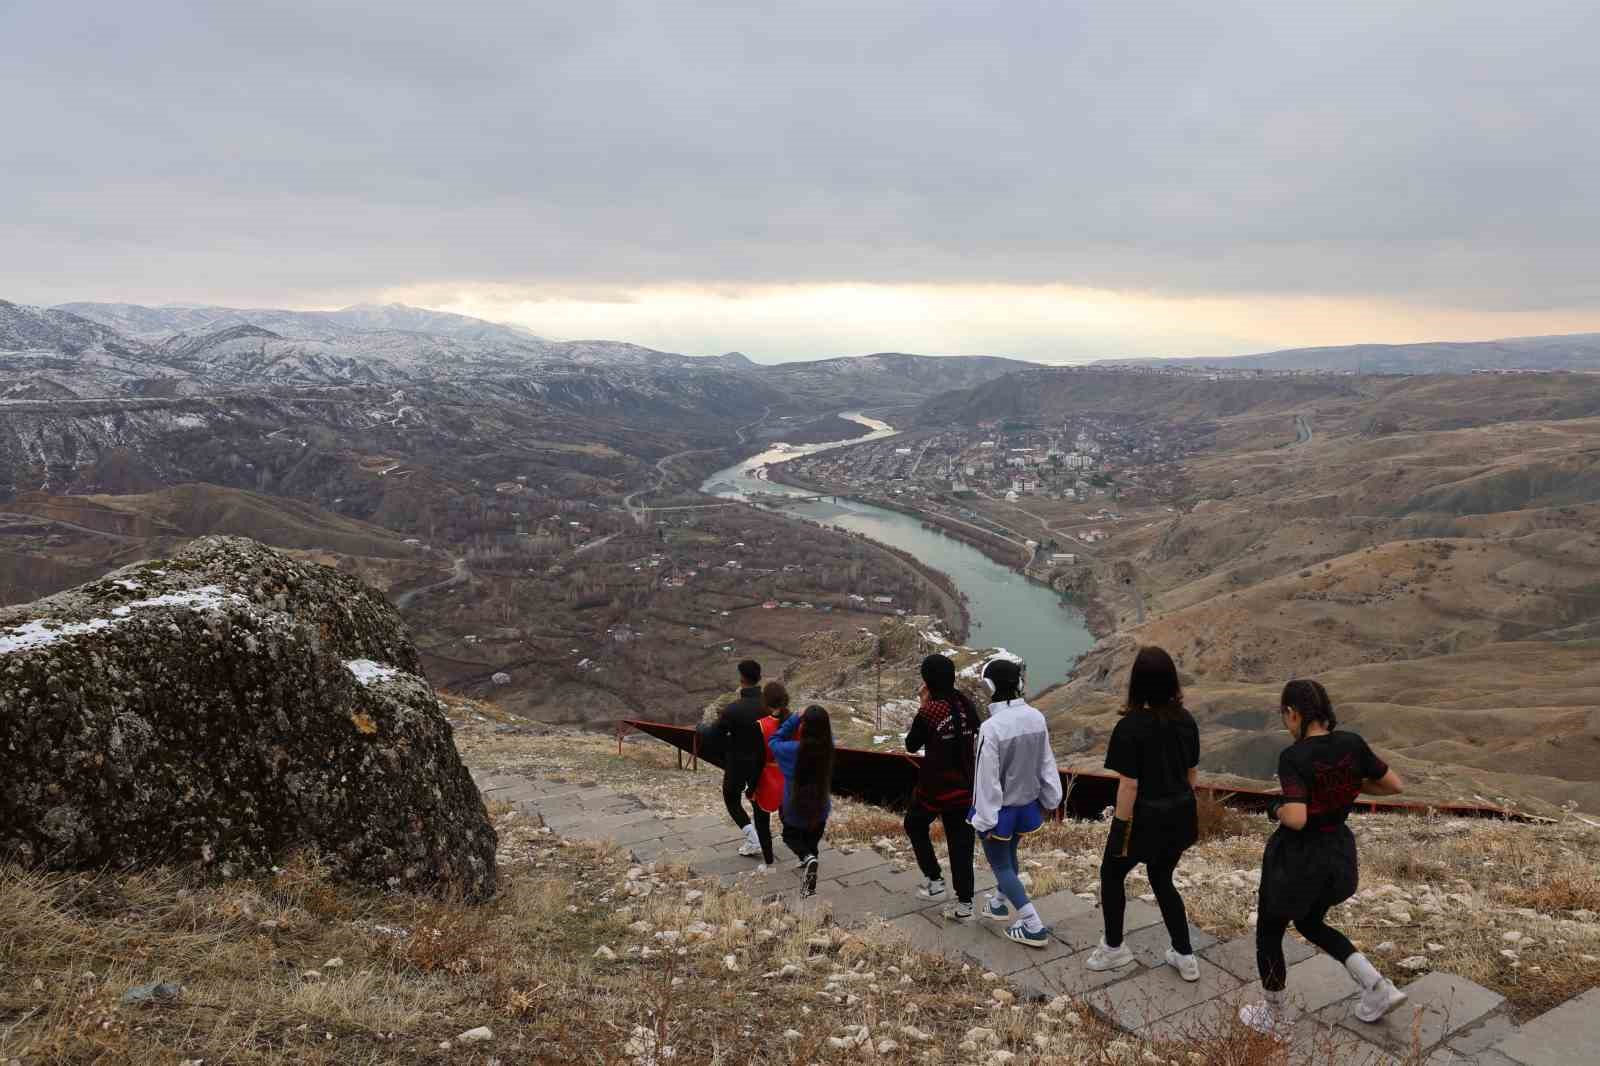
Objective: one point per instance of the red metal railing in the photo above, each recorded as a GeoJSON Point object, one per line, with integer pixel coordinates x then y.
{"type": "Point", "coordinates": [887, 777]}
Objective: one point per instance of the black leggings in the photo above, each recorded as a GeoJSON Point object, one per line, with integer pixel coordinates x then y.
{"type": "Point", "coordinates": [763, 823]}
{"type": "Point", "coordinates": [1269, 944]}
{"type": "Point", "coordinates": [958, 835]}
{"type": "Point", "coordinates": [803, 842]}
{"type": "Point", "coordinates": [738, 779]}
{"type": "Point", "coordinates": [1114, 871]}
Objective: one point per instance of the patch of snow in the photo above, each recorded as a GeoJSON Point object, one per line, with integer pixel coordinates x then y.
{"type": "Point", "coordinates": [32, 635]}
{"type": "Point", "coordinates": [204, 598]}
{"type": "Point", "coordinates": [367, 672]}
{"type": "Point", "coordinates": [38, 634]}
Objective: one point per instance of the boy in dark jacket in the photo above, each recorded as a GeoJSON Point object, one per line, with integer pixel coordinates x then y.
{"type": "Point", "coordinates": [946, 726]}
{"type": "Point", "coordinates": [744, 749]}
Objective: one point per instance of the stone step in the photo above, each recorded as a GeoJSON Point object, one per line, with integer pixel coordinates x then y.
{"type": "Point", "coordinates": [1440, 1005]}
{"type": "Point", "coordinates": [1569, 1033]}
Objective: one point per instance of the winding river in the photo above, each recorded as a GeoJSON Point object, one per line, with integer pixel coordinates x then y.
{"type": "Point", "coordinates": [1007, 610]}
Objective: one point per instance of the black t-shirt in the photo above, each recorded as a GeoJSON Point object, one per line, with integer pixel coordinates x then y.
{"type": "Point", "coordinates": [1157, 752]}
{"type": "Point", "coordinates": [1325, 772]}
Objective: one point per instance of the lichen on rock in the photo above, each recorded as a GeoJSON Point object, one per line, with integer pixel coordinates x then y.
{"type": "Point", "coordinates": [227, 707]}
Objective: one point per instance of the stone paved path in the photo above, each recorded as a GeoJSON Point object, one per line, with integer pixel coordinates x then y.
{"type": "Point", "coordinates": [1451, 1021]}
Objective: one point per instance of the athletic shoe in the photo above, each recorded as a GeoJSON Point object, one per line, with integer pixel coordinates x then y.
{"type": "Point", "coordinates": [750, 849]}
{"type": "Point", "coordinates": [1379, 1000]}
{"type": "Point", "coordinates": [932, 889]}
{"type": "Point", "coordinates": [1265, 1019]}
{"type": "Point", "coordinates": [1188, 966]}
{"type": "Point", "coordinates": [808, 881]}
{"type": "Point", "coordinates": [1039, 938]}
{"type": "Point", "coordinates": [957, 912]}
{"type": "Point", "coordinates": [764, 869]}
{"type": "Point", "coordinates": [1103, 958]}
{"type": "Point", "coordinates": [997, 908]}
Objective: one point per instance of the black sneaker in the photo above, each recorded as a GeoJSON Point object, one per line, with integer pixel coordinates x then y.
{"type": "Point", "coordinates": [808, 880]}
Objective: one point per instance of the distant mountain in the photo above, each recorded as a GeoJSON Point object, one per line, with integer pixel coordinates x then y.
{"type": "Point", "coordinates": [25, 328]}
{"type": "Point", "coordinates": [1572, 351]}
{"type": "Point", "coordinates": [887, 377]}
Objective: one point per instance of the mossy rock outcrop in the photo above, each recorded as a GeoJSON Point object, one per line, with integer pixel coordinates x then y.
{"type": "Point", "coordinates": [227, 707]}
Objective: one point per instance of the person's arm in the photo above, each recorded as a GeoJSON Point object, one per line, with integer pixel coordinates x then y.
{"type": "Point", "coordinates": [987, 795]}
{"type": "Point", "coordinates": [1387, 785]}
{"type": "Point", "coordinates": [786, 728]}
{"type": "Point", "coordinates": [1127, 793]}
{"type": "Point", "coordinates": [1194, 775]}
{"type": "Point", "coordinates": [917, 735]}
{"type": "Point", "coordinates": [1050, 795]}
{"type": "Point", "coordinates": [1292, 811]}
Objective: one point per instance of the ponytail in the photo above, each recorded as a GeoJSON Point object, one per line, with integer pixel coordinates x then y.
{"type": "Point", "coordinates": [1311, 700]}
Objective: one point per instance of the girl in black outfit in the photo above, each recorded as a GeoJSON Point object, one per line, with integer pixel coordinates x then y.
{"type": "Point", "coordinates": [1154, 751]}
{"type": "Point", "coordinates": [1310, 862]}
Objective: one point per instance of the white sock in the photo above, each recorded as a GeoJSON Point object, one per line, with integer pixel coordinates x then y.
{"type": "Point", "coordinates": [1366, 975]}
{"type": "Point", "coordinates": [1030, 918]}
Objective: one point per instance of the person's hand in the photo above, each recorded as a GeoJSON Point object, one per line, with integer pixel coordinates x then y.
{"type": "Point", "coordinates": [1272, 809]}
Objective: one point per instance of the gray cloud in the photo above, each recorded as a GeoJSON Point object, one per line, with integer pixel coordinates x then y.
{"type": "Point", "coordinates": [319, 149]}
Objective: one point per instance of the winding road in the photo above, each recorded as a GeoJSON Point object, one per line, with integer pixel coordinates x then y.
{"type": "Point", "coordinates": [459, 575]}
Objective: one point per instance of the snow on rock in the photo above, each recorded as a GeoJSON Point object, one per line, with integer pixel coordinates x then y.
{"type": "Point", "coordinates": [215, 709]}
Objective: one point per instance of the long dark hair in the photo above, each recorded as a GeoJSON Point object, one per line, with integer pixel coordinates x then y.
{"type": "Point", "coordinates": [1311, 700]}
{"type": "Point", "coordinates": [813, 766]}
{"type": "Point", "coordinates": [939, 674]}
{"type": "Point", "coordinates": [1153, 684]}
{"type": "Point", "coordinates": [775, 698]}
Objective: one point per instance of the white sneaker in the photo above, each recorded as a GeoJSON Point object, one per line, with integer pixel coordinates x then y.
{"type": "Point", "coordinates": [1379, 1000]}
{"type": "Point", "coordinates": [1265, 1019]}
{"type": "Point", "coordinates": [1103, 958]}
{"type": "Point", "coordinates": [750, 849]}
{"type": "Point", "coordinates": [764, 869]}
{"type": "Point", "coordinates": [1188, 966]}
{"type": "Point", "coordinates": [957, 912]}
{"type": "Point", "coordinates": [931, 889]}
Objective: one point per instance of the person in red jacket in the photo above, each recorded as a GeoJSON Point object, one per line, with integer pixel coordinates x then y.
{"type": "Point", "coordinates": [767, 795]}
{"type": "Point", "coordinates": [946, 731]}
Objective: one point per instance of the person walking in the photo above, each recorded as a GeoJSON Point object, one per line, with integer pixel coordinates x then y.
{"type": "Point", "coordinates": [767, 797]}
{"type": "Point", "coordinates": [744, 752]}
{"type": "Point", "coordinates": [803, 747]}
{"type": "Point", "coordinates": [1309, 865]}
{"type": "Point", "coordinates": [1016, 782]}
{"type": "Point", "coordinates": [945, 729]}
{"type": "Point", "coordinates": [1154, 750]}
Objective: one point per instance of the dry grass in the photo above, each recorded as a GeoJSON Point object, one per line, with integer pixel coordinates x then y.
{"type": "Point", "coordinates": [293, 969]}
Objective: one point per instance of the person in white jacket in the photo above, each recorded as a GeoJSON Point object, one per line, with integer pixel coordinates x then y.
{"type": "Point", "coordinates": [1016, 784]}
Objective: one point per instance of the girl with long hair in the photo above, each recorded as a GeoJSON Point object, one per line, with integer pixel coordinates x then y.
{"type": "Point", "coordinates": [946, 731]}
{"type": "Point", "coordinates": [1154, 751]}
{"type": "Point", "coordinates": [1310, 865]}
{"type": "Point", "coordinates": [803, 746]}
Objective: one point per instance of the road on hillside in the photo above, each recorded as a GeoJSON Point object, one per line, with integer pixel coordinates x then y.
{"type": "Point", "coordinates": [1302, 429]}
{"type": "Point", "coordinates": [459, 575]}
{"type": "Point", "coordinates": [662, 475]}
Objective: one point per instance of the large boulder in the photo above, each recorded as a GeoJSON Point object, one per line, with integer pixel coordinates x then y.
{"type": "Point", "coordinates": [226, 707]}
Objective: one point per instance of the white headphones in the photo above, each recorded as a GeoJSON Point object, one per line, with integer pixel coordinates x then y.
{"type": "Point", "coordinates": [988, 683]}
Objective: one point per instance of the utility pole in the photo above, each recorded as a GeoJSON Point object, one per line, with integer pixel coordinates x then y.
{"type": "Point", "coordinates": [877, 699]}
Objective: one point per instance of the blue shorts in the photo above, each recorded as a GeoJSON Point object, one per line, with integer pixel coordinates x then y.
{"type": "Point", "coordinates": [1020, 820]}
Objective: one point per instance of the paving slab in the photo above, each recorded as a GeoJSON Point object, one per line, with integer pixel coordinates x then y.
{"type": "Point", "coordinates": [705, 838]}
{"type": "Point", "coordinates": [1068, 976]}
{"type": "Point", "coordinates": [1154, 994]}
{"type": "Point", "coordinates": [1483, 1035]}
{"type": "Point", "coordinates": [1083, 929]}
{"type": "Point", "coordinates": [1440, 1005]}
{"type": "Point", "coordinates": [1149, 945]}
{"type": "Point", "coordinates": [1449, 1056]}
{"type": "Point", "coordinates": [649, 829]}
{"type": "Point", "coordinates": [922, 932]}
{"type": "Point", "coordinates": [1569, 1033]}
{"type": "Point", "coordinates": [1316, 1042]}
{"type": "Point", "coordinates": [1238, 956]}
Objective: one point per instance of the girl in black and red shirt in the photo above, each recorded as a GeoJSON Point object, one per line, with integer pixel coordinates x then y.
{"type": "Point", "coordinates": [1310, 863]}
{"type": "Point", "coordinates": [946, 731]}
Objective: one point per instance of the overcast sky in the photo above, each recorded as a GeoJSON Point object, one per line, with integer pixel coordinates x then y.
{"type": "Point", "coordinates": [1059, 180]}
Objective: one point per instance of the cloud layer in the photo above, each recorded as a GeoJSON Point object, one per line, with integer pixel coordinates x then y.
{"type": "Point", "coordinates": [319, 152]}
